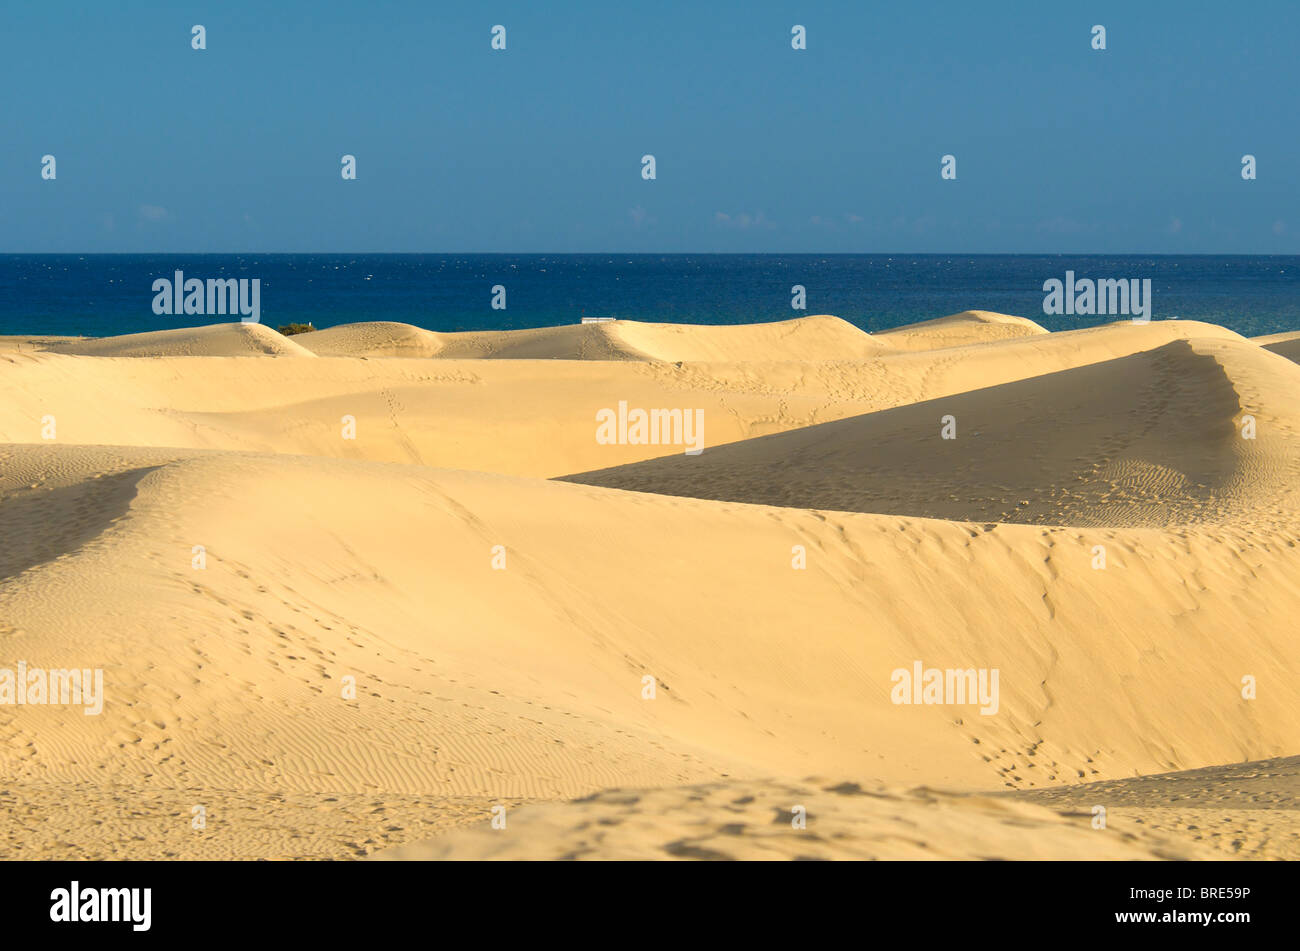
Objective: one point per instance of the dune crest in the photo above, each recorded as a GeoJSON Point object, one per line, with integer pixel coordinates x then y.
{"type": "Point", "coordinates": [1151, 439]}
{"type": "Point", "coordinates": [820, 337]}
{"type": "Point", "coordinates": [811, 338]}
{"type": "Point", "coordinates": [959, 330]}
{"type": "Point", "coordinates": [212, 340]}
{"type": "Point", "coordinates": [1286, 344]}
{"type": "Point", "coordinates": [378, 338]}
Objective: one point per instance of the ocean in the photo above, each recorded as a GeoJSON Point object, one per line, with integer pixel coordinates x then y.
{"type": "Point", "coordinates": [107, 294]}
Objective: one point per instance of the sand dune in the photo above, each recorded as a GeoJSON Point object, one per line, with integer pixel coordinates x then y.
{"type": "Point", "coordinates": [573, 342]}
{"type": "Point", "coordinates": [811, 338]}
{"type": "Point", "coordinates": [1268, 339]}
{"type": "Point", "coordinates": [1150, 439]}
{"type": "Point", "coordinates": [482, 682]}
{"type": "Point", "coordinates": [372, 339]}
{"type": "Point", "coordinates": [383, 339]}
{"type": "Point", "coordinates": [1287, 344]}
{"type": "Point", "coordinates": [522, 417]}
{"type": "Point", "coordinates": [527, 682]}
{"type": "Point", "coordinates": [804, 338]}
{"type": "Point", "coordinates": [959, 330]}
{"type": "Point", "coordinates": [214, 340]}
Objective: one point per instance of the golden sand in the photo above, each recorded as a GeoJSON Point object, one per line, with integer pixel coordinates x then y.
{"type": "Point", "coordinates": [185, 510]}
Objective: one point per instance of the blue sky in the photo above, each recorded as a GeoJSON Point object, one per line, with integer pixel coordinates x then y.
{"type": "Point", "coordinates": [759, 148]}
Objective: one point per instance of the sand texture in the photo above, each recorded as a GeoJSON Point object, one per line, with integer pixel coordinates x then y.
{"type": "Point", "coordinates": [352, 590]}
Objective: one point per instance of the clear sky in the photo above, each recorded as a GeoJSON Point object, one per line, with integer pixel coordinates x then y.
{"type": "Point", "coordinates": [758, 147]}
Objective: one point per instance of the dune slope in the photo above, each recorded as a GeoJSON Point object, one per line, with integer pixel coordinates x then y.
{"type": "Point", "coordinates": [527, 681]}
{"type": "Point", "coordinates": [1151, 439]}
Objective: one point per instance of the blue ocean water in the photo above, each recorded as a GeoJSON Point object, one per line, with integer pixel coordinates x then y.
{"type": "Point", "coordinates": [101, 295]}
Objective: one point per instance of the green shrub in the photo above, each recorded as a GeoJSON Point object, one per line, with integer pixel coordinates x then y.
{"type": "Point", "coordinates": [290, 329]}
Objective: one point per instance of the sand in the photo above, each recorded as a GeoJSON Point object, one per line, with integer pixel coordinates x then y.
{"type": "Point", "coordinates": [382, 638]}
{"type": "Point", "coordinates": [1287, 344]}
{"type": "Point", "coordinates": [216, 340]}
{"type": "Point", "coordinates": [819, 337]}
{"type": "Point", "coordinates": [958, 330]}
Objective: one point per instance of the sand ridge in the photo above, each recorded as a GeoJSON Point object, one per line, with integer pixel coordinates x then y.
{"type": "Point", "coordinates": [1150, 439]}
{"type": "Point", "coordinates": [957, 330]}
{"type": "Point", "coordinates": [819, 337]}
{"type": "Point", "coordinates": [1286, 344]}
{"type": "Point", "coordinates": [213, 340]}
{"type": "Point", "coordinates": [522, 417]}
